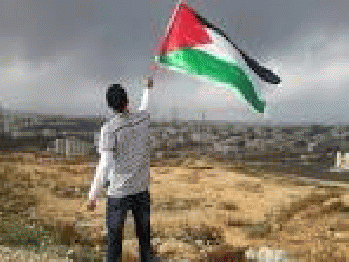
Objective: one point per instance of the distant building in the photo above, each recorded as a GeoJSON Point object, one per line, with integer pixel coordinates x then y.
{"type": "Point", "coordinates": [255, 145]}
{"type": "Point", "coordinates": [300, 147]}
{"type": "Point", "coordinates": [49, 132]}
{"type": "Point", "coordinates": [342, 160]}
{"type": "Point", "coordinates": [8, 120]}
{"type": "Point", "coordinates": [312, 145]}
{"type": "Point", "coordinates": [23, 134]}
{"type": "Point", "coordinates": [70, 146]}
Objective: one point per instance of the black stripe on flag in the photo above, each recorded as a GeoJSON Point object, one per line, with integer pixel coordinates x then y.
{"type": "Point", "coordinates": [265, 74]}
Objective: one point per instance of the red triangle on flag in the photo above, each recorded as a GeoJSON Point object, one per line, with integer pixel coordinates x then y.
{"type": "Point", "coordinates": [186, 30]}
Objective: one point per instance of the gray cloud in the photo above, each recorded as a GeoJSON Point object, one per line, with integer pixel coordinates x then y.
{"type": "Point", "coordinates": [60, 56]}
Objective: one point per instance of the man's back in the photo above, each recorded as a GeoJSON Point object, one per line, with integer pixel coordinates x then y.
{"type": "Point", "coordinates": [125, 156]}
{"type": "Point", "coordinates": [131, 153]}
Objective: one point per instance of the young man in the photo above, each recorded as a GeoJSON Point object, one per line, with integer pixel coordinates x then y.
{"type": "Point", "coordinates": [125, 168]}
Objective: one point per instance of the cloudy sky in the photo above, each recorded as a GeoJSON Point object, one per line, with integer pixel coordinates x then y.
{"type": "Point", "coordinates": [58, 57]}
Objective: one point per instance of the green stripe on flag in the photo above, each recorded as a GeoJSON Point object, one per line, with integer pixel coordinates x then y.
{"type": "Point", "coordinates": [198, 62]}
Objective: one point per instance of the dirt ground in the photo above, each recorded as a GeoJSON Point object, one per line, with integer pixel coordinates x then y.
{"type": "Point", "coordinates": [199, 208]}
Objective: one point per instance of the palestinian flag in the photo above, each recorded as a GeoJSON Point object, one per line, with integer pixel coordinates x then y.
{"type": "Point", "coordinates": [193, 46]}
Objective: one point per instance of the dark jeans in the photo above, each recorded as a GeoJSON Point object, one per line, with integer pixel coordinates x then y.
{"type": "Point", "coordinates": [117, 211]}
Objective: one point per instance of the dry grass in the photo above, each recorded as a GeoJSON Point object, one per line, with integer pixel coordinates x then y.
{"type": "Point", "coordinates": [200, 209]}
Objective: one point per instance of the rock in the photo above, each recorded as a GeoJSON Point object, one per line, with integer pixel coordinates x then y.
{"type": "Point", "coordinates": [342, 236]}
{"type": "Point", "coordinates": [229, 206]}
{"type": "Point", "coordinates": [332, 204]}
{"type": "Point", "coordinates": [175, 249]}
{"type": "Point", "coordinates": [267, 254]}
{"type": "Point", "coordinates": [226, 253]}
{"type": "Point", "coordinates": [345, 199]}
{"type": "Point", "coordinates": [197, 164]}
{"type": "Point", "coordinates": [68, 192]}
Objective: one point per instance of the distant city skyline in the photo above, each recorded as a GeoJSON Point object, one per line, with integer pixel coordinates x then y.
{"type": "Point", "coordinates": [169, 117]}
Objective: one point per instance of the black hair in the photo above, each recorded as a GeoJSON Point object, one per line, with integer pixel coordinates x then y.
{"type": "Point", "coordinates": [117, 98]}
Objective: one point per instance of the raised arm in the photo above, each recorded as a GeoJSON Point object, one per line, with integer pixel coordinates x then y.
{"type": "Point", "coordinates": [145, 97]}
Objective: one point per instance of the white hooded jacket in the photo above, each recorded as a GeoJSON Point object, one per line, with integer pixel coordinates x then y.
{"type": "Point", "coordinates": [125, 155]}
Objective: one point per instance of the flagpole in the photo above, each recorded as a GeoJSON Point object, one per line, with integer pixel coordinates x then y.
{"type": "Point", "coordinates": [169, 25]}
